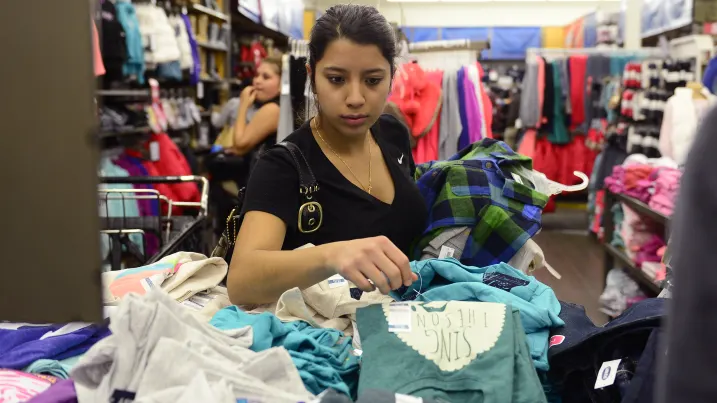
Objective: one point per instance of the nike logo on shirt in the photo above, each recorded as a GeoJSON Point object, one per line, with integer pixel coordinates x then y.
{"type": "Point", "coordinates": [400, 160]}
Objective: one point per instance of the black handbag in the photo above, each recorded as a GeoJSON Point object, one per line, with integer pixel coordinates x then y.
{"type": "Point", "coordinates": [310, 214]}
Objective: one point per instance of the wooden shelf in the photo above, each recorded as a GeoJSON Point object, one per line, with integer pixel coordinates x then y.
{"type": "Point", "coordinates": [210, 12]}
{"type": "Point", "coordinates": [634, 271]}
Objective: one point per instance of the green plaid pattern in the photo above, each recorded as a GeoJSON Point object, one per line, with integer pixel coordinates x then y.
{"type": "Point", "coordinates": [475, 189]}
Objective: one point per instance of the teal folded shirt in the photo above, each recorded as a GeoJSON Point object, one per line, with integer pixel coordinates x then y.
{"type": "Point", "coordinates": [449, 280]}
{"type": "Point", "coordinates": [454, 351]}
{"type": "Point", "coordinates": [322, 356]}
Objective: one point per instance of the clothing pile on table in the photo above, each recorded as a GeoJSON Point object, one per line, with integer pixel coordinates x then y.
{"type": "Point", "coordinates": [444, 110]}
{"type": "Point", "coordinates": [173, 335]}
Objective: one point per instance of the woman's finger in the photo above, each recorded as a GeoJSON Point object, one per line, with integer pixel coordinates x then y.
{"type": "Point", "coordinates": [401, 261]}
{"type": "Point", "coordinates": [360, 281]}
{"type": "Point", "coordinates": [385, 265]}
{"type": "Point", "coordinates": [376, 276]}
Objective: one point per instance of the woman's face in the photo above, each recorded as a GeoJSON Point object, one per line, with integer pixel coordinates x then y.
{"type": "Point", "coordinates": [352, 83]}
{"type": "Point", "coordinates": [266, 82]}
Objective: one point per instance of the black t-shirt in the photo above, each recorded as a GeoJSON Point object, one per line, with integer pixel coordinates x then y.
{"type": "Point", "coordinates": [348, 211]}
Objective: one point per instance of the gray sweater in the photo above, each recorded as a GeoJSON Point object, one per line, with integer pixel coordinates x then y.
{"type": "Point", "coordinates": [529, 107]}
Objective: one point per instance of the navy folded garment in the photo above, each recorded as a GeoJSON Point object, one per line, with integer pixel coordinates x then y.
{"type": "Point", "coordinates": [22, 346]}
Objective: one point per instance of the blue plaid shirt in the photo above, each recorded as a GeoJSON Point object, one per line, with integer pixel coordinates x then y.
{"type": "Point", "coordinates": [475, 189]}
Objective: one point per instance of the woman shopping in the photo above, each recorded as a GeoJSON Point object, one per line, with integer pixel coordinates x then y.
{"type": "Point", "coordinates": [371, 210]}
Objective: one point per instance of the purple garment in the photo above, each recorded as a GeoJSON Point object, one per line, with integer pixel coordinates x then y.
{"type": "Point", "coordinates": [21, 347]}
{"type": "Point", "coordinates": [463, 139]}
{"type": "Point", "coordinates": [134, 168]}
{"type": "Point", "coordinates": [61, 392]}
{"type": "Point", "coordinates": [472, 110]}
{"type": "Point", "coordinates": [194, 73]}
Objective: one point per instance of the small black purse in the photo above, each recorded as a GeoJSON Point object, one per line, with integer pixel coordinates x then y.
{"type": "Point", "coordinates": [310, 214]}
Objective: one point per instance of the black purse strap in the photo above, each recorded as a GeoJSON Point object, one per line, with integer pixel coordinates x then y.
{"type": "Point", "coordinates": [310, 211]}
{"type": "Point", "coordinates": [310, 214]}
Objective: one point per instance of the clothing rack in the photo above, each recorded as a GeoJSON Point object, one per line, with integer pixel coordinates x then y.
{"type": "Point", "coordinates": [449, 54]}
{"type": "Point", "coordinates": [531, 53]}
{"type": "Point", "coordinates": [299, 47]}
{"type": "Point", "coordinates": [448, 45]}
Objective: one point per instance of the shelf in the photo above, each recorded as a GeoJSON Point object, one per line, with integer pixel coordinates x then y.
{"type": "Point", "coordinates": [129, 132]}
{"type": "Point", "coordinates": [242, 24]}
{"type": "Point", "coordinates": [212, 46]}
{"type": "Point", "coordinates": [123, 93]}
{"type": "Point", "coordinates": [210, 12]}
{"type": "Point", "coordinates": [641, 208]}
{"type": "Point", "coordinates": [632, 269]}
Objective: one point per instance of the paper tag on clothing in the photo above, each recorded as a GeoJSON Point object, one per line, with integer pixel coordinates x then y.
{"type": "Point", "coordinates": [399, 317]}
{"type": "Point", "coordinates": [200, 90]}
{"type": "Point", "coordinates": [192, 305]}
{"type": "Point", "coordinates": [154, 151]}
{"type": "Point", "coordinates": [408, 399]}
{"type": "Point", "coordinates": [336, 281]}
{"type": "Point", "coordinates": [153, 281]}
{"type": "Point", "coordinates": [446, 252]}
{"type": "Point", "coordinates": [607, 373]}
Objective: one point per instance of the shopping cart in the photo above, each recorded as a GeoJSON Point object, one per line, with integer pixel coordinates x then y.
{"type": "Point", "coordinates": [159, 235]}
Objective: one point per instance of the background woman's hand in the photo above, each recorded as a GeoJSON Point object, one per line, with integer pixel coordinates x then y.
{"type": "Point", "coordinates": [376, 259]}
{"type": "Point", "coordinates": [247, 96]}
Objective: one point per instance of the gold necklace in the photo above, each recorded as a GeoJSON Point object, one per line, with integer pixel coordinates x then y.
{"type": "Point", "coordinates": [370, 159]}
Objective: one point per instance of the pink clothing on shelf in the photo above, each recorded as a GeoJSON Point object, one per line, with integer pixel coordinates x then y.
{"type": "Point", "coordinates": [427, 146]}
{"type": "Point", "coordinates": [96, 54]}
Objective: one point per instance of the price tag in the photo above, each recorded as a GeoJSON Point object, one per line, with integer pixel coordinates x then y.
{"type": "Point", "coordinates": [154, 151]}
{"type": "Point", "coordinates": [607, 373]}
{"type": "Point", "coordinates": [337, 281]}
{"type": "Point", "coordinates": [446, 252]}
{"type": "Point", "coordinates": [399, 318]}
{"type": "Point", "coordinates": [200, 90]}
{"type": "Point", "coordinates": [407, 399]}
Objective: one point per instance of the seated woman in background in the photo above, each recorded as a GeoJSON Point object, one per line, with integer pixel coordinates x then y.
{"type": "Point", "coordinates": [258, 113]}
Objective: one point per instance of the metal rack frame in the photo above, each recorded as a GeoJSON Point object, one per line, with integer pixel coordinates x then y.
{"type": "Point", "coordinates": [174, 232]}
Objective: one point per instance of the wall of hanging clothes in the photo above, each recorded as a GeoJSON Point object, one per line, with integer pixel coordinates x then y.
{"type": "Point", "coordinates": [442, 100]}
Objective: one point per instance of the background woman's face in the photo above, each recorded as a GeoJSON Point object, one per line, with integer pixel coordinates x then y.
{"type": "Point", "coordinates": [267, 82]}
{"type": "Point", "coordinates": [352, 83]}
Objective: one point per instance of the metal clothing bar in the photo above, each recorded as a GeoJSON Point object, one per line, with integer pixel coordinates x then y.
{"type": "Point", "coordinates": [531, 53]}
{"type": "Point", "coordinates": [448, 45]}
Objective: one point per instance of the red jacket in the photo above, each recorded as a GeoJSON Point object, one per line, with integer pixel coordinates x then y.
{"type": "Point", "coordinates": [418, 98]}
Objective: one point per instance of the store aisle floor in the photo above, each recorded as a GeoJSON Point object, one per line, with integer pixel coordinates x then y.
{"type": "Point", "coordinates": [576, 256]}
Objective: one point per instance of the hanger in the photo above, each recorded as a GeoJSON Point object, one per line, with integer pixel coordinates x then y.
{"type": "Point", "coordinates": [544, 185]}
{"type": "Point", "coordinates": [697, 90]}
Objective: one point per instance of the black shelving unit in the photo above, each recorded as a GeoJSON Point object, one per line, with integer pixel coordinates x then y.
{"type": "Point", "coordinates": [614, 255]}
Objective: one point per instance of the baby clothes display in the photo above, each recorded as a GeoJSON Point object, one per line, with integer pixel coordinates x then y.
{"type": "Point", "coordinates": [449, 351]}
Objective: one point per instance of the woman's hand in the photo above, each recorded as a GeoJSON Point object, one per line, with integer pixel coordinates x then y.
{"type": "Point", "coordinates": [376, 259]}
{"type": "Point", "coordinates": [247, 97]}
